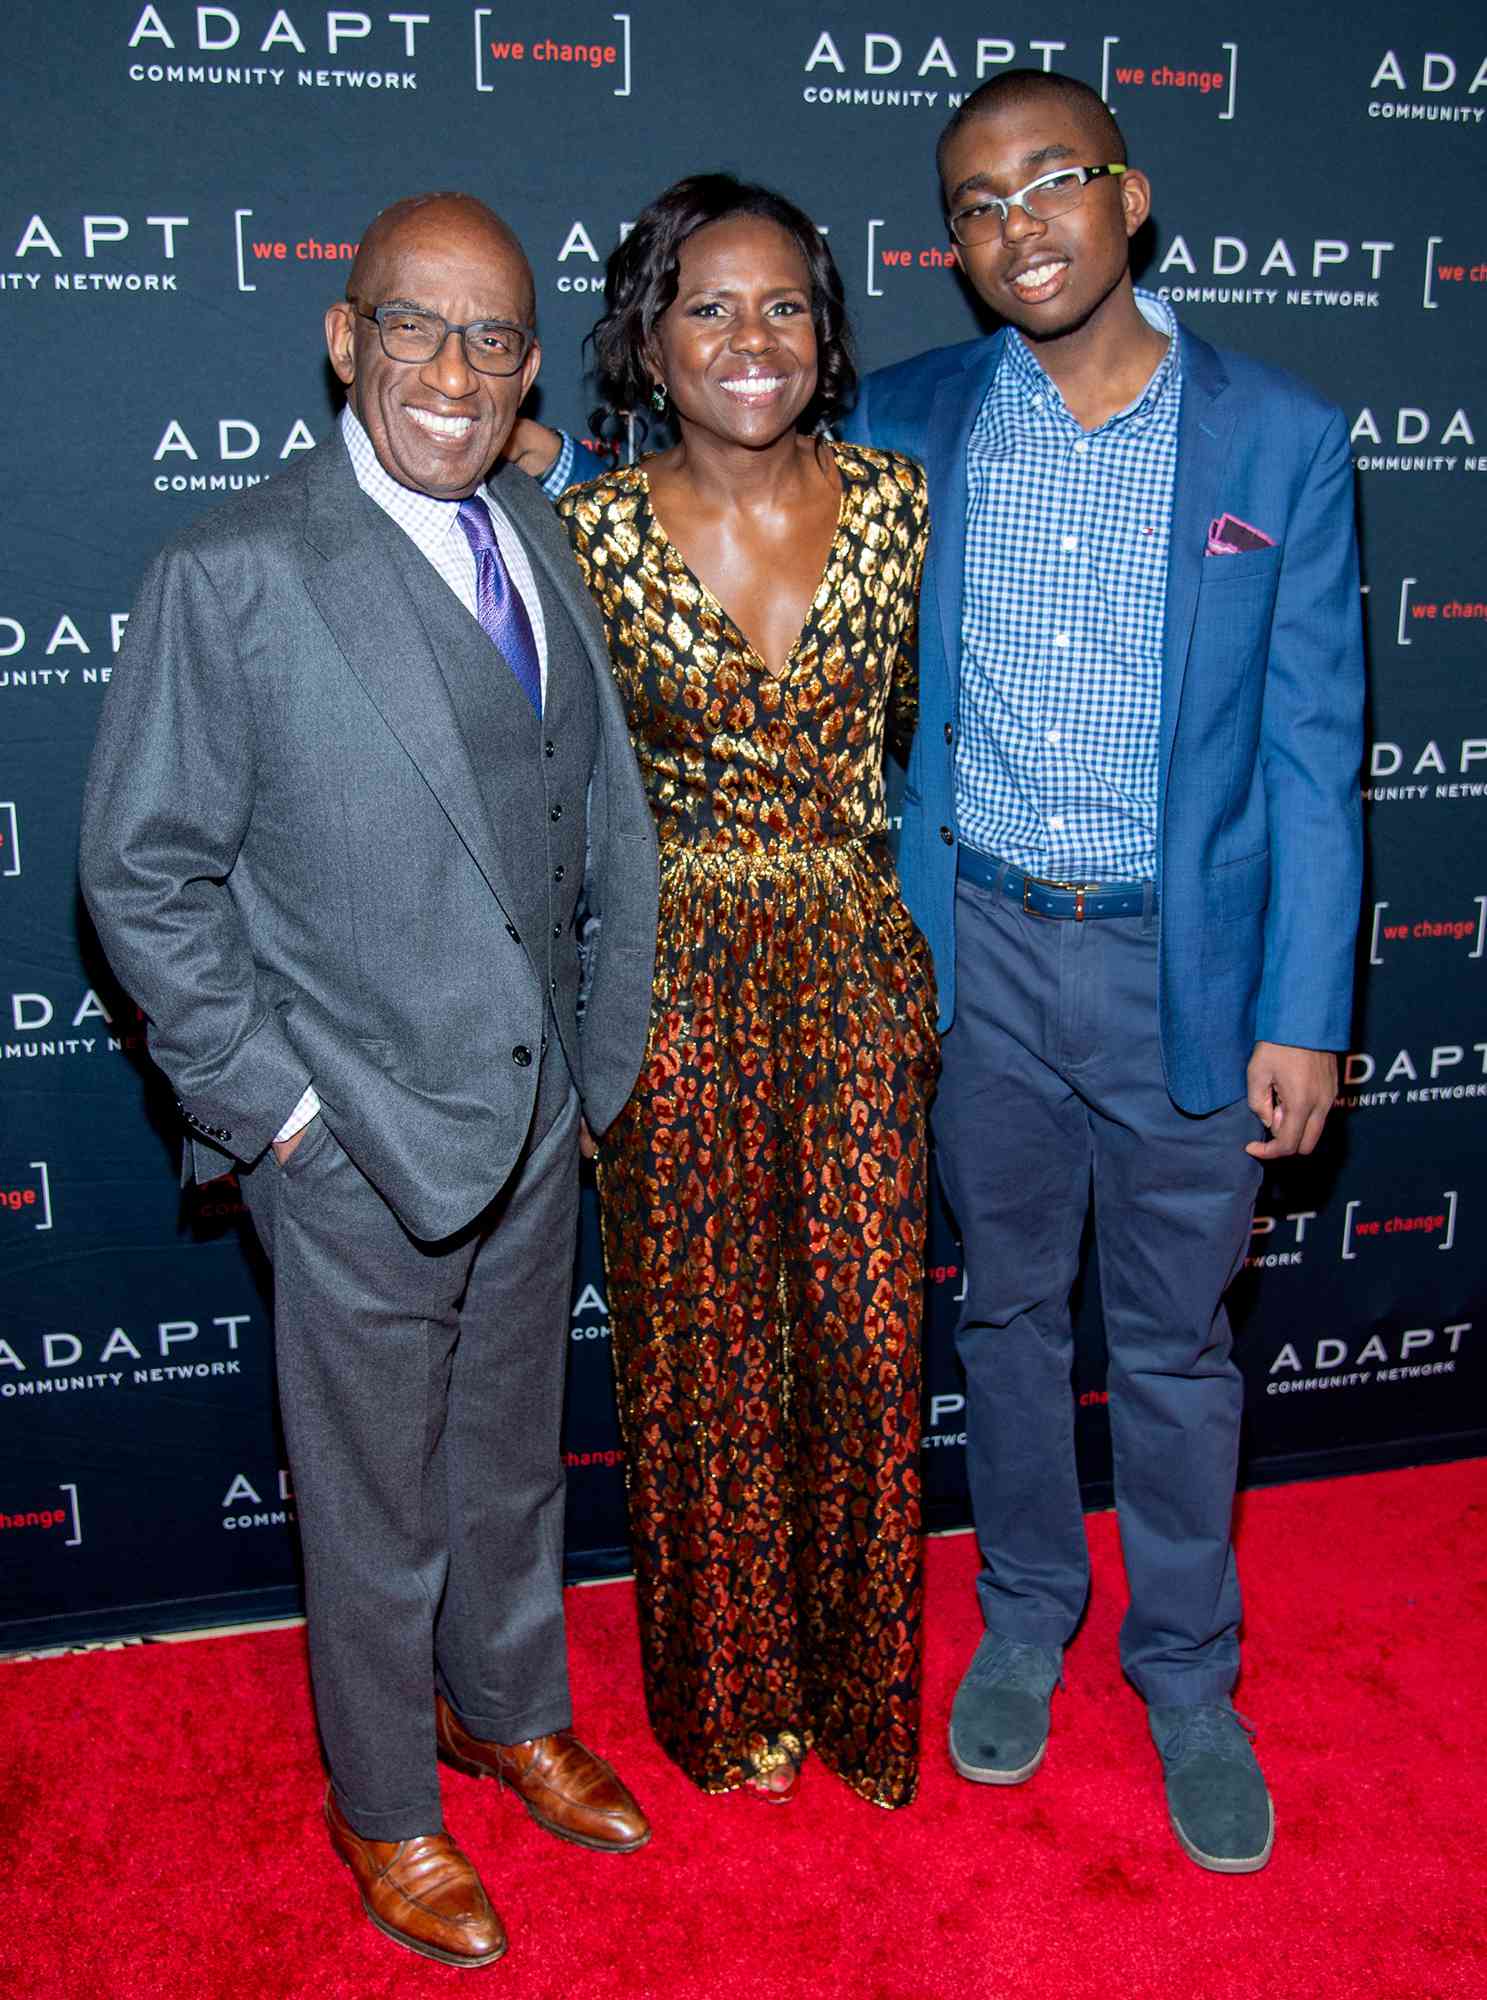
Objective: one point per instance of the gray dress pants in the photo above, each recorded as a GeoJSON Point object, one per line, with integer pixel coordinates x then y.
{"type": "Point", "coordinates": [421, 1387]}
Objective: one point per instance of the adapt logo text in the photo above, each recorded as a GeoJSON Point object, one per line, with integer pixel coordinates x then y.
{"type": "Point", "coordinates": [1278, 1241]}
{"type": "Point", "coordinates": [1445, 1073]}
{"type": "Point", "coordinates": [1430, 87]}
{"type": "Point", "coordinates": [1313, 273]}
{"type": "Point", "coordinates": [1440, 768]}
{"type": "Point", "coordinates": [259, 1502]}
{"type": "Point", "coordinates": [590, 1315]}
{"type": "Point", "coordinates": [238, 441]}
{"type": "Point", "coordinates": [67, 636]}
{"type": "Point", "coordinates": [1386, 1358]}
{"type": "Point", "coordinates": [168, 44]}
{"type": "Point", "coordinates": [885, 71]}
{"type": "Point", "coordinates": [63, 1361]}
{"type": "Point", "coordinates": [46, 247]}
{"type": "Point", "coordinates": [1391, 440]}
{"type": "Point", "coordinates": [582, 243]}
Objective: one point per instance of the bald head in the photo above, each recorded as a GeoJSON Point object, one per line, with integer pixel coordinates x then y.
{"type": "Point", "coordinates": [459, 220]}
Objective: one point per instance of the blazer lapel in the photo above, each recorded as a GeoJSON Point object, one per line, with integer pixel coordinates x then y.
{"type": "Point", "coordinates": [1204, 429]}
{"type": "Point", "coordinates": [366, 590]}
{"type": "Point", "coordinates": [957, 404]}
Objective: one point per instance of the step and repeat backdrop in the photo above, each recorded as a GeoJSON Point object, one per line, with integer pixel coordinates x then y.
{"type": "Point", "coordinates": [188, 184]}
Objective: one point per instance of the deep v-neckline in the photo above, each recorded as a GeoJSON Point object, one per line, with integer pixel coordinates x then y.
{"type": "Point", "coordinates": [788, 666]}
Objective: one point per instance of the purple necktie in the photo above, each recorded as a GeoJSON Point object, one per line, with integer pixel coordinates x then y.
{"type": "Point", "coordinates": [498, 603]}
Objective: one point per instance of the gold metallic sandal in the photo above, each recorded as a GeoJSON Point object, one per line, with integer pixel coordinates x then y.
{"type": "Point", "coordinates": [786, 1748]}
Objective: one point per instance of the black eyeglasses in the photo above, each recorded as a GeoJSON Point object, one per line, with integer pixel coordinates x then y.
{"type": "Point", "coordinates": [408, 333]}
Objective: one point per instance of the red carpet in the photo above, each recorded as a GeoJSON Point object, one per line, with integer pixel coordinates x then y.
{"type": "Point", "coordinates": [163, 1836]}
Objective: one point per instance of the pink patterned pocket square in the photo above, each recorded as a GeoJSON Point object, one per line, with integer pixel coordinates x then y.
{"type": "Point", "coordinates": [1229, 536]}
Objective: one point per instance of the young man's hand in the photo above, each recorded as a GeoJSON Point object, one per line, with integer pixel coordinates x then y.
{"type": "Point", "coordinates": [1292, 1091]}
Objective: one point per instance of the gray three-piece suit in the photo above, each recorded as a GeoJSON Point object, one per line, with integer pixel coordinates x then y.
{"type": "Point", "coordinates": [327, 838]}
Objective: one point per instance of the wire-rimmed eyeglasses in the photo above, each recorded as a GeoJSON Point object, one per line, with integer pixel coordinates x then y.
{"type": "Point", "coordinates": [984, 216]}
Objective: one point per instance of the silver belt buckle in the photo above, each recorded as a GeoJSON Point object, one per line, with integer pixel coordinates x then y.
{"type": "Point", "coordinates": [1075, 889]}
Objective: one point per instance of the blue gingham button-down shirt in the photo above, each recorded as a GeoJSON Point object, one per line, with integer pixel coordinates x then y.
{"type": "Point", "coordinates": [1061, 636]}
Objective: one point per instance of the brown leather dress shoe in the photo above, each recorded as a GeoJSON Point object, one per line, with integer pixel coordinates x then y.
{"type": "Point", "coordinates": [422, 1893]}
{"type": "Point", "coordinates": [565, 1787]}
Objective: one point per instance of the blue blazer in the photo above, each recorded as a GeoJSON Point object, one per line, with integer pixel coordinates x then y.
{"type": "Point", "coordinates": [1259, 834]}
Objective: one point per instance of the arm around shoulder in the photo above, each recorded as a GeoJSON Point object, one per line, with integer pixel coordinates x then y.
{"type": "Point", "coordinates": [554, 458]}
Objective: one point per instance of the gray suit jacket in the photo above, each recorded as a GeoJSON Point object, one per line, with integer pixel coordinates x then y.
{"type": "Point", "coordinates": [289, 857]}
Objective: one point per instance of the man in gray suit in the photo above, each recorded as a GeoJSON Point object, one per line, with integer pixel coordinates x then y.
{"type": "Point", "coordinates": [359, 743]}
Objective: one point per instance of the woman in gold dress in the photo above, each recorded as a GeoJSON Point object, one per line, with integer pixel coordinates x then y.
{"type": "Point", "coordinates": [763, 1193]}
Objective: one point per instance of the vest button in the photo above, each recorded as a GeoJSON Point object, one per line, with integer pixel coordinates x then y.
{"type": "Point", "coordinates": [557, 930]}
{"type": "Point", "coordinates": [549, 748]}
{"type": "Point", "coordinates": [513, 933]}
{"type": "Point", "coordinates": [947, 836]}
{"type": "Point", "coordinates": [521, 1055]}
{"type": "Point", "coordinates": [556, 813]}
{"type": "Point", "coordinates": [557, 873]}
{"type": "Point", "coordinates": [949, 733]}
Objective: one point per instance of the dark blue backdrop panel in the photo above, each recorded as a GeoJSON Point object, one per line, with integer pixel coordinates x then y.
{"type": "Point", "coordinates": [187, 189]}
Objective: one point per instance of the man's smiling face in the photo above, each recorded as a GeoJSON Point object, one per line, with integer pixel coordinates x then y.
{"type": "Point", "coordinates": [1045, 278]}
{"type": "Point", "coordinates": [436, 426]}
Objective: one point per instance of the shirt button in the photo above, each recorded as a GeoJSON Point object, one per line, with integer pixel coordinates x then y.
{"type": "Point", "coordinates": [521, 1055]}
{"type": "Point", "coordinates": [1081, 447]}
{"type": "Point", "coordinates": [1057, 823]}
{"type": "Point", "coordinates": [1053, 737]}
{"type": "Point", "coordinates": [556, 813]}
{"type": "Point", "coordinates": [947, 836]}
{"type": "Point", "coordinates": [557, 873]}
{"type": "Point", "coordinates": [1061, 639]}
{"type": "Point", "coordinates": [1069, 544]}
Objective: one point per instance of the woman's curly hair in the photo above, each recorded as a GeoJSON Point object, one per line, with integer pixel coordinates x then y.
{"type": "Point", "coordinates": [641, 279]}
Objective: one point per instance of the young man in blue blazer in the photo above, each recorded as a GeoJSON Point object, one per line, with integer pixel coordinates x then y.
{"type": "Point", "coordinates": [1132, 838]}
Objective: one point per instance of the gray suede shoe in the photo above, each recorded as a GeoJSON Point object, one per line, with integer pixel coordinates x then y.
{"type": "Point", "coordinates": [1216, 1796]}
{"type": "Point", "coordinates": [999, 1723]}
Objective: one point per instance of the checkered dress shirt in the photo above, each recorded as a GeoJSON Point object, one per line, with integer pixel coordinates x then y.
{"type": "Point", "coordinates": [1061, 634]}
{"type": "Point", "coordinates": [434, 530]}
